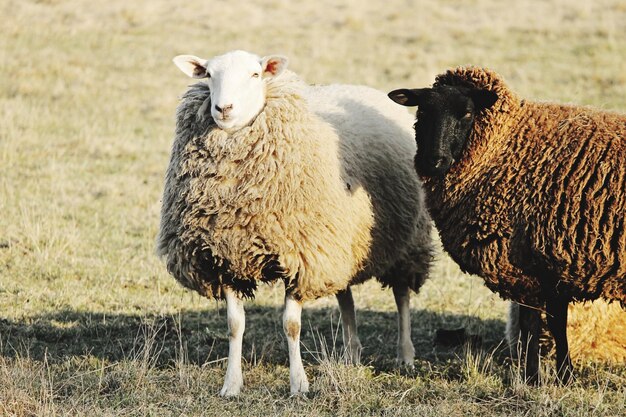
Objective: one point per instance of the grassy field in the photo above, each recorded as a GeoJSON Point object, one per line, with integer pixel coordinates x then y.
{"type": "Point", "coordinates": [91, 323]}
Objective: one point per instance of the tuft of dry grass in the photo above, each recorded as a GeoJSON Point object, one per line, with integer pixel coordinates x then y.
{"type": "Point", "coordinates": [90, 322]}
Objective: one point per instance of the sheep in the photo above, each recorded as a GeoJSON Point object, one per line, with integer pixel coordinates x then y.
{"type": "Point", "coordinates": [274, 180]}
{"type": "Point", "coordinates": [596, 332]}
{"type": "Point", "coordinates": [530, 196]}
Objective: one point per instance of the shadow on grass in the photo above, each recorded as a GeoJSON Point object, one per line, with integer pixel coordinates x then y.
{"type": "Point", "coordinates": [200, 337]}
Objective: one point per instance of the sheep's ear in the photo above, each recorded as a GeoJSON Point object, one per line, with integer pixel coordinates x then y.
{"type": "Point", "coordinates": [191, 65]}
{"type": "Point", "coordinates": [408, 97]}
{"type": "Point", "coordinates": [483, 99]}
{"type": "Point", "coordinates": [273, 65]}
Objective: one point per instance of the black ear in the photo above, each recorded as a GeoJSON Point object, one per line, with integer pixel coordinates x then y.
{"type": "Point", "coordinates": [483, 99]}
{"type": "Point", "coordinates": [408, 97]}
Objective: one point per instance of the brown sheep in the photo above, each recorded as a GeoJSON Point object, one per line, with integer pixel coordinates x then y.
{"type": "Point", "coordinates": [530, 196]}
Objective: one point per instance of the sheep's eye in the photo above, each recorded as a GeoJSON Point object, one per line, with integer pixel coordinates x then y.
{"type": "Point", "coordinates": [208, 74]}
{"type": "Point", "coordinates": [255, 75]}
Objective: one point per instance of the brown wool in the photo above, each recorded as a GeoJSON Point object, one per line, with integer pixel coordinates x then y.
{"type": "Point", "coordinates": [538, 199]}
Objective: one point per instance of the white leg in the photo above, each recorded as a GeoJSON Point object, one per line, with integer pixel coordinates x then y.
{"type": "Point", "coordinates": [513, 330]}
{"type": "Point", "coordinates": [236, 324]}
{"type": "Point", "coordinates": [291, 325]}
{"type": "Point", "coordinates": [351, 341]}
{"type": "Point", "coordinates": [406, 351]}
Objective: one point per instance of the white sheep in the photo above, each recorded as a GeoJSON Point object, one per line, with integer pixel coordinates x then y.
{"type": "Point", "coordinates": [271, 179]}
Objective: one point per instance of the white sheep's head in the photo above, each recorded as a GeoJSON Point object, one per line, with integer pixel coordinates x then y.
{"type": "Point", "coordinates": [237, 83]}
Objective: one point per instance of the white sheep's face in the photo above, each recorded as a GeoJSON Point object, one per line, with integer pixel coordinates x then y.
{"type": "Point", "coordinates": [237, 83]}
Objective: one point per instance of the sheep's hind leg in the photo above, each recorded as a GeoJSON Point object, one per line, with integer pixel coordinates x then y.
{"type": "Point", "coordinates": [406, 351]}
{"type": "Point", "coordinates": [556, 309]}
{"type": "Point", "coordinates": [351, 341]}
{"type": "Point", "coordinates": [236, 324]}
{"type": "Point", "coordinates": [291, 325]}
{"type": "Point", "coordinates": [530, 325]}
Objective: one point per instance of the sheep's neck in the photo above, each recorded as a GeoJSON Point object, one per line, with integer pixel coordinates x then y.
{"type": "Point", "coordinates": [487, 142]}
{"type": "Point", "coordinates": [472, 186]}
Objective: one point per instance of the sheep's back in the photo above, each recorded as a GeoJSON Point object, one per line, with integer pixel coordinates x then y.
{"type": "Point", "coordinates": [376, 149]}
{"type": "Point", "coordinates": [575, 211]}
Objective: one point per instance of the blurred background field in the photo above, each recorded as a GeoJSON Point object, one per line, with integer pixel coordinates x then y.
{"type": "Point", "coordinates": [90, 322]}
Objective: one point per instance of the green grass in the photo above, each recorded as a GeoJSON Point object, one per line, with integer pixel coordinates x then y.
{"type": "Point", "coordinates": [90, 322]}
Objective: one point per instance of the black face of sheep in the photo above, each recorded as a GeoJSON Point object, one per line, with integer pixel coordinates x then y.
{"type": "Point", "coordinates": [445, 117]}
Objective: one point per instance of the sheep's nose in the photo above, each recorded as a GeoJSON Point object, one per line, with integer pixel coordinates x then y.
{"type": "Point", "coordinates": [225, 109]}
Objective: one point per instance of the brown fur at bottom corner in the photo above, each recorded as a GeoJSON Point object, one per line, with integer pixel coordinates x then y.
{"type": "Point", "coordinates": [596, 332]}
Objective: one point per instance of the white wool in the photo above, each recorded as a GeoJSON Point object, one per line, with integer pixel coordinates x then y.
{"type": "Point", "coordinates": [314, 187]}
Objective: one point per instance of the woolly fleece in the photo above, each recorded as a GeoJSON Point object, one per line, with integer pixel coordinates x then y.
{"type": "Point", "coordinates": [537, 202]}
{"type": "Point", "coordinates": [287, 198]}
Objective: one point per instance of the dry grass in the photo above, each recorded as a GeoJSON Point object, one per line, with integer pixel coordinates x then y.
{"type": "Point", "coordinates": [91, 323]}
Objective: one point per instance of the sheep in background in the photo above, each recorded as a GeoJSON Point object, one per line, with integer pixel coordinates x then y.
{"type": "Point", "coordinates": [273, 180]}
{"type": "Point", "coordinates": [596, 332]}
{"type": "Point", "coordinates": [530, 196]}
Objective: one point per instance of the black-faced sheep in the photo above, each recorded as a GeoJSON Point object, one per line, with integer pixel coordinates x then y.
{"type": "Point", "coordinates": [530, 196]}
{"type": "Point", "coordinates": [273, 180]}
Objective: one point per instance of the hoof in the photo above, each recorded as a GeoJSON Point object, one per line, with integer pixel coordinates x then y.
{"type": "Point", "coordinates": [300, 387]}
{"type": "Point", "coordinates": [406, 363]}
{"type": "Point", "coordinates": [231, 389]}
{"type": "Point", "coordinates": [406, 355]}
{"type": "Point", "coordinates": [353, 354]}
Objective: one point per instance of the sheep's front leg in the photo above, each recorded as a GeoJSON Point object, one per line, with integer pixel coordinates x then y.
{"type": "Point", "coordinates": [351, 341]}
{"type": "Point", "coordinates": [406, 351]}
{"type": "Point", "coordinates": [556, 315]}
{"type": "Point", "coordinates": [291, 325]}
{"type": "Point", "coordinates": [236, 317]}
{"type": "Point", "coordinates": [530, 326]}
